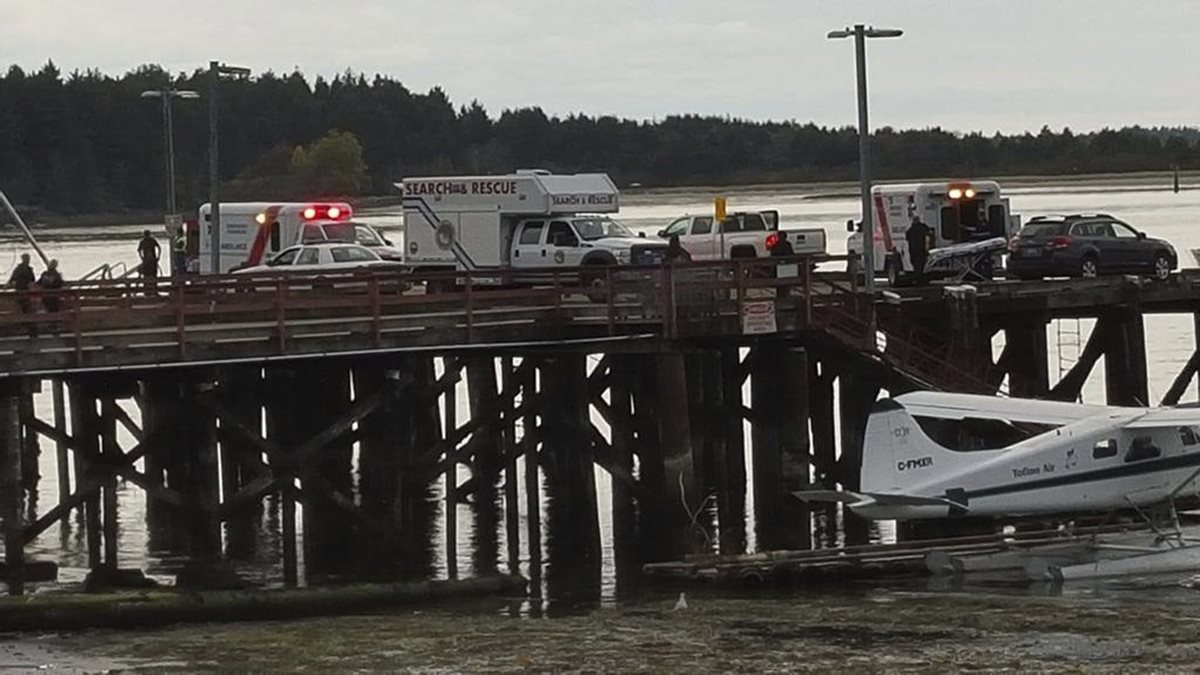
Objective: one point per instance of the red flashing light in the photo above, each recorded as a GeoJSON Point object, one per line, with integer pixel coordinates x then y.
{"type": "Point", "coordinates": [326, 212]}
{"type": "Point", "coordinates": [772, 240]}
{"type": "Point", "coordinates": [1059, 242]}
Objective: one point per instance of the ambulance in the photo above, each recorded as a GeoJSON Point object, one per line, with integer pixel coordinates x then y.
{"type": "Point", "coordinates": [958, 213]}
{"type": "Point", "coordinates": [253, 232]}
{"type": "Point", "coordinates": [520, 225]}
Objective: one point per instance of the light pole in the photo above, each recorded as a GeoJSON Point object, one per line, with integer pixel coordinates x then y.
{"type": "Point", "coordinates": [860, 34]}
{"type": "Point", "coordinates": [166, 95]}
{"type": "Point", "coordinates": [215, 72]}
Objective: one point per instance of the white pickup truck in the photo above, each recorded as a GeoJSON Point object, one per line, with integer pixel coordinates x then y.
{"type": "Point", "coordinates": [742, 234]}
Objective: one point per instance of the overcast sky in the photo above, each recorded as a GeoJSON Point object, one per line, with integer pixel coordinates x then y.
{"type": "Point", "coordinates": [962, 64]}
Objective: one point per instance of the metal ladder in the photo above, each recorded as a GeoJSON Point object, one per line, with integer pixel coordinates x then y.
{"type": "Point", "coordinates": [1068, 346]}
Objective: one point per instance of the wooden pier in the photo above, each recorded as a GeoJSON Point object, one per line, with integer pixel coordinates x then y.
{"type": "Point", "coordinates": [339, 395]}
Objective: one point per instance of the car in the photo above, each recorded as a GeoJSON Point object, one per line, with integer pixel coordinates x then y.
{"type": "Point", "coordinates": [373, 239]}
{"type": "Point", "coordinates": [1086, 245]}
{"type": "Point", "coordinates": [329, 257]}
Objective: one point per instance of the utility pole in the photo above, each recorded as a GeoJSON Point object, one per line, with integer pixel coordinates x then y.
{"type": "Point", "coordinates": [860, 34]}
{"type": "Point", "coordinates": [215, 71]}
{"type": "Point", "coordinates": [214, 177]}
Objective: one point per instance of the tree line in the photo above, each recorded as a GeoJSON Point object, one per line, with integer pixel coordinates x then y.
{"type": "Point", "coordinates": [87, 142]}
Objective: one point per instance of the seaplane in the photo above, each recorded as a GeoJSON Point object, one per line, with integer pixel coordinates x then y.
{"type": "Point", "coordinates": [933, 455]}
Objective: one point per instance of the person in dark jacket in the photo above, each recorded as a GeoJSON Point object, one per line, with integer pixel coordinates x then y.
{"type": "Point", "coordinates": [917, 238]}
{"type": "Point", "coordinates": [782, 249]}
{"type": "Point", "coordinates": [21, 280]}
{"type": "Point", "coordinates": [52, 281]}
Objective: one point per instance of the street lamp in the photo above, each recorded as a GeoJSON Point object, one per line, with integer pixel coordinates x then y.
{"type": "Point", "coordinates": [216, 71]}
{"type": "Point", "coordinates": [860, 34]}
{"type": "Point", "coordinates": [166, 95]}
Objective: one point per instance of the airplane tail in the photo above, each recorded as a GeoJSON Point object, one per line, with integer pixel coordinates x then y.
{"type": "Point", "coordinates": [897, 453]}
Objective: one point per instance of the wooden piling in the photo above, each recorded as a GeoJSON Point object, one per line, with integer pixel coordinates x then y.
{"type": "Point", "coordinates": [509, 451]}
{"type": "Point", "coordinates": [487, 460]}
{"type": "Point", "coordinates": [31, 448]}
{"type": "Point", "coordinates": [856, 396]}
{"type": "Point", "coordinates": [573, 525]}
{"type": "Point", "coordinates": [622, 372]}
{"type": "Point", "coordinates": [110, 453]}
{"type": "Point", "coordinates": [280, 383]}
{"type": "Point", "coordinates": [85, 426]}
{"type": "Point", "coordinates": [61, 454]}
{"type": "Point", "coordinates": [1125, 378]}
{"type": "Point", "coordinates": [242, 392]}
{"type": "Point", "coordinates": [531, 444]}
{"type": "Point", "coordinates": [1028, 363]}
{"type": "Point", "coordinates": [766, 426]}
{"type": "Point", "coordinates": [11, 493]}
{"type": "Point", "coordinates": [200, 452]}
{"type": "Point", "coordinates": [732, 490]}
{"type": "Point", "coordinates": [450, 411]}
{"type": "Point", "coordinates": [824, 443]}
{"type": "Point", "coordinates": [795, 449]}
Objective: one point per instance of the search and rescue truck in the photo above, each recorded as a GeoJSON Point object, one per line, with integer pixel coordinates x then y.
{"type": "Point", "coordinates": [956, 212]}
{"type": "Point", "coordinates": [252, 232]}
{"type": "Point", "coordinates": [520, 225]}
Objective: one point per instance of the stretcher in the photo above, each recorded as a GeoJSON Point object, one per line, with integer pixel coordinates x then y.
{"type": "Point", "coordinates": [966, 261]}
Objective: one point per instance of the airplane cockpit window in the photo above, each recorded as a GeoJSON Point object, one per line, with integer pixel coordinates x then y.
{"type": "Point", "coordinates": [1104, 449]}
{"type": "Point", "coordinates": [1142, 448]}
{"type": "Point", "coordinates": [1188, 436]}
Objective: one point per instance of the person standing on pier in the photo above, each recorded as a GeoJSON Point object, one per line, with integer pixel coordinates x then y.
{"type": "Point", "coordinates": [149, 252]}
{"type": "Point", "coordinates": [917, 238]}
{"type": "Point", "coordinates": [22, 281]}
{"type": "Point", "coordinates": [782, 249]}
{"type": "Point", "coordinates": [52, 281]}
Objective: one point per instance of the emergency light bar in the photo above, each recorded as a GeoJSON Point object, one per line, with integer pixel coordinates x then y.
{"type": "Point", "coordinates": [326, 212]}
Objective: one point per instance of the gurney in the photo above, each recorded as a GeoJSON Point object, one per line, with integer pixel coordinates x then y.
{"type": "Point", "coordinates": [966, 261]}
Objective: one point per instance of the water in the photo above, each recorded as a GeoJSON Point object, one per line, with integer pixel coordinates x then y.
{"type": "Point", "coordinates": [1150, 207]}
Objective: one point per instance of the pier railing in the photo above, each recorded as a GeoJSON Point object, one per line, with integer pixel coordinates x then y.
{"type": "Point", "coordinates": [114, 323]}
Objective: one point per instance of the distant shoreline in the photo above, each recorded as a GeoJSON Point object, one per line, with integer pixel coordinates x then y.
{"type": "Point", "coordinates": [38, 219]}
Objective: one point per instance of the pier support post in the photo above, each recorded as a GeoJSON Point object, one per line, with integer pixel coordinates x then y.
{"type": "Point", "coordinates": [1125, 377]}
{"type": "Point", "coordinates": [531, 441]}
{"type": "Point", "coordinates": [568, 460]}
{"type": "Point", "coordinates": [85, 426]}
{"type": "Point", "coordinates": [622, 372]}
{"type": "Point", "coordinates": [779, 391]}
{"type": "Point", "coordinates": [486, 462]}
{"type": "Point", "coordinates": [731, 495]}
{"type": "Point", "coordinates": [203, 487]}
{"type": "Point", "coordinates": [857, 397]}
{"type": "Point", "coordinates": [243, 395]}
{"type": "Point", "coordinates": [31, 448]}
{"type": "Point", "coordinates": [1028, 363]}
{"type": "Point", "coordinates": [61, 452]}
{"type": "Point", "coordinates": [824, 438]}
{"type": "Point", "coordinates": [11, 493]}
{"type": "Point", "coordinates": [682, 502]}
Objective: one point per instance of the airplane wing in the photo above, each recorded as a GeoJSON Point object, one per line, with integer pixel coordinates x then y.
{"type": "Point", "coordinates": [974, 406]}
{"type": "Point", "coordinates": [1166, 417]}
{"type": "Point", "coordinates": [864, 498]}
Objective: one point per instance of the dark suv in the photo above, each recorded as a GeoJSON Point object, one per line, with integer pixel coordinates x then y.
{"type": "Point", "coordinates": [1086, 245]}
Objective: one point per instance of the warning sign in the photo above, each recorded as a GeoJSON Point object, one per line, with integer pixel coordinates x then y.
{"type": "Point", "coordinates": [758, 317]}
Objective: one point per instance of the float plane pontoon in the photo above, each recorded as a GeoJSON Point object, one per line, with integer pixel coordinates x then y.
{"type": "Point", "coordinates": [943, 455]}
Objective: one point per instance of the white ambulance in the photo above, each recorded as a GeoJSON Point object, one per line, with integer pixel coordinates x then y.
{"type": "Point", "coordinates": [518, 223]}
{"type": "Point", "coordinates": [252, 232]}
{"type": "Point", "coordinates": [956, 212]}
